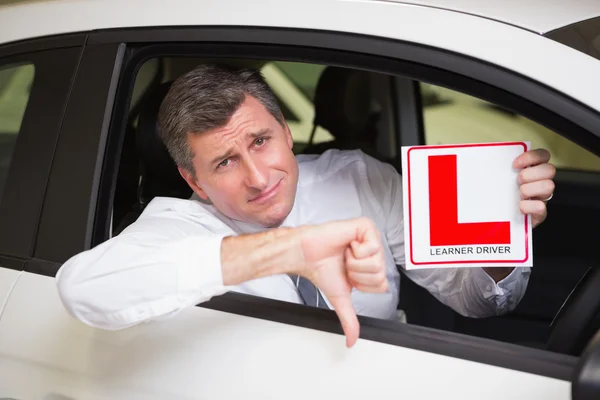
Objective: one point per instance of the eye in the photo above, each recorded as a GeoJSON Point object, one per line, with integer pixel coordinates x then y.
{"type": "Point", "coordinates": [223, 163]}
{"type": "Point", "coordinates": [260, 141]}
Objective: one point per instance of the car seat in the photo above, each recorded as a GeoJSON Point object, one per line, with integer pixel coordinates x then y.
{"type": "Point", "coordinates": [157, 172]}
{"type": "Point", "coordinates": [343, 106]}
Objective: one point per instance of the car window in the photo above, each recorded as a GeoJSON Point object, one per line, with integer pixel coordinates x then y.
{"type": "Point", "coordinates": [303, 75]}
{"type": "Point", "coordinates": [295, 85]}
{"type": "Point", "coordinates": [449, 117]}
{"type": "Point", "coordinates": [15, 87]}
{"type": "Point", "coordinates": [146, 76]}
{"type": "Point", "coordinates": [453, 117]}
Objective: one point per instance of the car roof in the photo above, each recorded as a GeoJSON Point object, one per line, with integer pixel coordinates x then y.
{"type": "Point", "coordinates": [497, 43]}
{"type": "Point", "coordinates": [534, 15]}
{"type": "Point", "coordinates": [525, 14]}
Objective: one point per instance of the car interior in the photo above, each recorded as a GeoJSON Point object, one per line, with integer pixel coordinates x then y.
{"type": "Point", "coordinates": [359, 110]}
{"type": "Point", "coordinates": [345, 106]}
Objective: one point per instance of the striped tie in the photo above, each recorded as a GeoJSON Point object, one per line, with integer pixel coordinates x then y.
{"type": "Point", "coordinates": [309, 292]}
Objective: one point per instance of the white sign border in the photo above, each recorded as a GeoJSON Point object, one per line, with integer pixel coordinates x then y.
{"type": "Point", "coordinates": [410, 264]}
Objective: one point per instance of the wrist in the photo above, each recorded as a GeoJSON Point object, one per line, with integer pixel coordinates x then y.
{"type": "Point", "coordinates": [286, 249]}
{"type": "Point", "coordinates": [498, 273]}
{"type": "Point", "coordinates": [254, 256]}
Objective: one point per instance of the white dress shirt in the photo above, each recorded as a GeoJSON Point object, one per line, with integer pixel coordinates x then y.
{"type": "Point", "coordinates": [170, 257]}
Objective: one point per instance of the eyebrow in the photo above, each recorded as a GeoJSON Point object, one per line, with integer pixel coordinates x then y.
{"type": "Point", "coordinates": [260, 133]}
{"type": "Point", "coordinates": [228, 153]}
{"type": "Point", "coordinates": [218, 159]}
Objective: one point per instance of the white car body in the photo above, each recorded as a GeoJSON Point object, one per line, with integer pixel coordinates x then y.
{"type": "Point", "coordinates": [209, 354]}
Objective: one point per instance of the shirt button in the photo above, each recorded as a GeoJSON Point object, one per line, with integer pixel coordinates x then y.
{"type": "Point", "coordinates": [488, 288]}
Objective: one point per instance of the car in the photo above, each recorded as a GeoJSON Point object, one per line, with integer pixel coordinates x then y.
{"type": "Point", "coordinates": [80, 86]}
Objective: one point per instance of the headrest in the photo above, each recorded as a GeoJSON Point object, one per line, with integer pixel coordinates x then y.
{"type": "Point", "coordinates": [343, 102]}
{"type": "Point", "coordinates": [158, 166]}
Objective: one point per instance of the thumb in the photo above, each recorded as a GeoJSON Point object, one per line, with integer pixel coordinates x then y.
{"type": "Point", "coordinates": [345, 311]}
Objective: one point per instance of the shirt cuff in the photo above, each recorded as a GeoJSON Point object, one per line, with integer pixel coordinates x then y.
{"type": "Point", "coordinates": [199, 267]}
{"type": "Point", "coordinates": [505, 294]}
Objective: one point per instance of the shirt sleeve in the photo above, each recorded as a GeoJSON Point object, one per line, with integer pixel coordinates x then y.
{"type": "Point", "coordinates": [470, 291]}
{"type": "Point", "coordinates": [159, 265]}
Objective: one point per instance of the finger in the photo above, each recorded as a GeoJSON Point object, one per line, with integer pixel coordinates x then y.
{"type": "Point", "coordinates": [372, 289]}
{"type": "Point", "coordinates": [365, 249]}
{"type": "Point", "coordinates": [374, 280]}
{"type": "Point", "coordinates": [381, 286]}
{"type": "Point", "coordinates": [531, 157]}
{"type": "Point", "coordinates": [370, 264]}
{"type": "Point", "coordinates": [539, 190]}
{"type": "Point", "coordinates": [369, 243]}
{"type": "Point", "coordinates": [537, 173]}
{"type": "Point", "coordinates": [534, 207]}
{"type": "Point", "coordinates": [347, 315]}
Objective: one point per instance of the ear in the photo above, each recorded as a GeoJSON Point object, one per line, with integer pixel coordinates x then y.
{"type": "Point", "coordinates": [290, 139]}
{"type": "Point", "coordinates": [191, 181]}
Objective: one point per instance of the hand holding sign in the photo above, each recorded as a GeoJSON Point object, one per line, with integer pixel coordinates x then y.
{"type": "Point", "coordinates": [472, 205]}
{"type": "Point", "coordinates": [536, 183]}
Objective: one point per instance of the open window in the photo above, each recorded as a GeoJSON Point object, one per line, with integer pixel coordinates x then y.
{"type": "Point", "coordinates": [325, 107]}
{"type": "Point", "coordinates": [401, 101]}
{"type": "Point", "coordinates": [561, 260]}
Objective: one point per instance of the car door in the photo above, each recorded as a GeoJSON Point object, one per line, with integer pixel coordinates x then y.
{"type": "Point", "coordinates": [34, 85]}
{"type": "Point", "coordinates": [237, 345]}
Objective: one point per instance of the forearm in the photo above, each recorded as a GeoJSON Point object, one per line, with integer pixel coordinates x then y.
{"type": "Point", "coordinates": [140, 277]}
{"type": "Point", "coordinates": [471, 291]}
{"type": "Point", "coordinates": [489, 296]}
{"type": "Point", "coordinates": [144, 275]}
{"type": "Point", "coordinates": [258, 255]}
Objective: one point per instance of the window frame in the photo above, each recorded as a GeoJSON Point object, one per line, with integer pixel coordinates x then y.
{"type": "Point", "coordinates": [55, 62]}
{"type": "Point", "coordinates": [115, 66]}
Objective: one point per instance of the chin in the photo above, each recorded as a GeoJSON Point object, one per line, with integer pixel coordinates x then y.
{"type": "Point", "coordinates": [272, 221]}
{"type": "Point", "coordinates": [276, 216]}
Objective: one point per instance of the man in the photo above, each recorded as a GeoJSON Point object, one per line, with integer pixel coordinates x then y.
{"type": "Point", "coordinates": [272, 224]}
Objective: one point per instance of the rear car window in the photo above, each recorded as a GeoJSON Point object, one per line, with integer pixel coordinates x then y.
{"type": "Point", "coordinates": [15, 88]}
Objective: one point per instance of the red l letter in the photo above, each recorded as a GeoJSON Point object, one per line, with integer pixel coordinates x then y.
{"type": "Point", "coordinates": [444, 228]}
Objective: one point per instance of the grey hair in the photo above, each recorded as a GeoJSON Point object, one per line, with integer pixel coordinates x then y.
{"type": "Point", "coordinates": [204, 99]}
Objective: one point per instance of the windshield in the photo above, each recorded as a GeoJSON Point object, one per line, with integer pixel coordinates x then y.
{"type": "Point", "coordinates": [583, 36]}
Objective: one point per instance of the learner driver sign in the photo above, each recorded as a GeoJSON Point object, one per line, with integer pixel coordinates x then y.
{"type": "Point", "coordinates": [461, 206]}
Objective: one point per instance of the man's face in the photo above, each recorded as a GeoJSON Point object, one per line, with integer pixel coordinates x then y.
{"type": "Point", "coordinates": [246, 168]}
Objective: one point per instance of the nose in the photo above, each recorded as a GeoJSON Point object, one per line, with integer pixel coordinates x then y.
{"type": "Point", "coordinates": [257, 175]}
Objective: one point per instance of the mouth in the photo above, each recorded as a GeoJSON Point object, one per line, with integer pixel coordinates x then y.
{"type": "Point", "coordinates": [266, 195]}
